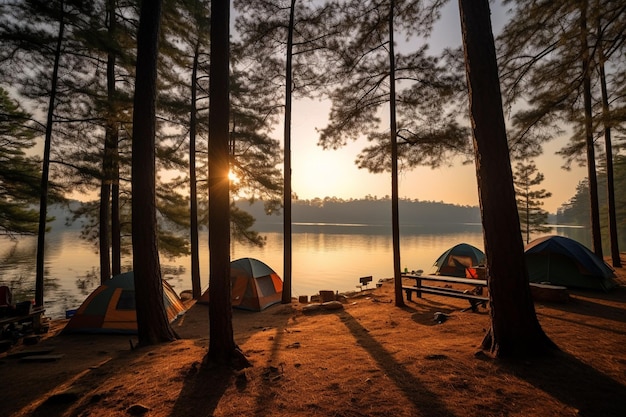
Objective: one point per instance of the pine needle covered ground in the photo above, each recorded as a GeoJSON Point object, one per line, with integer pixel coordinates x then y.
{"type": "Point", "coordinates": [367, 359]}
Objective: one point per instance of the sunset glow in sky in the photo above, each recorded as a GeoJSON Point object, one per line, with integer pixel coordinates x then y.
{"type": "Point", "coordinates": [333, 173]}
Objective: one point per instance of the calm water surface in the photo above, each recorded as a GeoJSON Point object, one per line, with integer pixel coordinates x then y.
{"type": "Point", "coordinates": [325, 257]}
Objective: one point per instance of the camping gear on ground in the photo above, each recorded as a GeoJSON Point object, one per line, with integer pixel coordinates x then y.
{"type": "Point", "coordinates": [457, 259]}
{"type": "Point", "coordinates": [6, 302]}
{"type": "Point", "coordinates": [110, 308]}
{"type": "Point", "coordinates": [254, 285]}
{"type": "Point", "coordinates": [558, 260]}
{"type": "Point", "coordinates": [6, 297]}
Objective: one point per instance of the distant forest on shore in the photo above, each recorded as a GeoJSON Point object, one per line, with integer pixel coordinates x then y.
{"type": "Point", "coordinates": [576, 211]}
{"type": "Point", "coordinates": [369, 210]}
{"type": "Point", "coordinates": [377, 211]}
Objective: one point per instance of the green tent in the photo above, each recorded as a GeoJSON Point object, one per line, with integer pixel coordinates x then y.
{"type": "Point", "coordinates": [455, 260]}
{"type": "Point", "coordinates": [559, 260]}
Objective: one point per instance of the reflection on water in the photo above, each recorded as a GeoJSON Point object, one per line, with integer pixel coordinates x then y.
{"type": "Point", "coordinates": [325, 257]}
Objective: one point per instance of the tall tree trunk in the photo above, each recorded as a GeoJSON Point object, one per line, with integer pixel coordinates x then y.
{"type": "Point", "coordinates": [395, 215]}
{"type": "Point", "coordinates": [45, 170]}
{"type": "Point", "coordinates": [193, 184]}
{"type": "Point", "coordinates": [104, 223]}
{"type": "Point", "coordinates": [152, 323]}
{"type": "Point", "coordinates": [116, 228]}
{"type": "Point", "coordinates": [222, 347]}
{"type": "Point", "coordinates": [287, 253]}
{"type": "Point", "coordinates": [608, 148]}
{"type": "Point", "coordinates": [108, 160]}
{"type": "Point", "coordinates": [514, 330]}
{"type": "Point", "coordinates": [527, 214]}
{"type": "Point", "coordinates": [596, 235]}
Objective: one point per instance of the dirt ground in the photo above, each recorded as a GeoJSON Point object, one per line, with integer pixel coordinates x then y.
{"type": "Point", "coordinates": [368, 359]}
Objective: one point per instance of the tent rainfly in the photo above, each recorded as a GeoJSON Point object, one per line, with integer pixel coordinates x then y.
{"type": "Point", "coordinates": [110, 308]}
{"type": "Point", "coordinates": [559, 260]}
{"type": "Point", "coordinates": [455, 260]}
{"type": "Point", "coordinates": [254, 285]}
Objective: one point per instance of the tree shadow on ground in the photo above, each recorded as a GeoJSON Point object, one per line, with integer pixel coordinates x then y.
{"type": "Point", "coordinates": [18, 394]}
{"type": "Point", "coordinates": [202, 390]}
{"type": "Point", "coordinates": [425, 314]}
{"type": "Point", "coordinates": [427, 402]}
{"type": "Point", "coordinates": [594, 326]}
{"type": "Point", "coordinates": [574, 383]}
{"type": "Point", "coordinates": [590, 304]}
{"type": "Point", "coordinates": [205, 385]}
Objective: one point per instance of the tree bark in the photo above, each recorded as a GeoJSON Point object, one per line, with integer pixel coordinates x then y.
{"type": "Point", "coordinates": [514, 330]}
{"type": "Point", "coordinates": [287, 252]}
{"type": "Point", "coordinates": [108, 160]}
{"type": "Point", "coordinates": [608, 148]}
{"type": "Point", "coordinates": [104, 222]}
{"type": "Point", "coordinates": [193, 184]}
{"type": "Point", "coordinates": [222, 347]}
{"type": "Point", "coordinates": [45, 170]}
{"type": "Point", "coordinates": [596, 234]}
{"type": "Point", "coordinates": [395, 215]}
{"type": "Point", "coordinates": [152, 322]}
{"type": "Point", "coordinates": [116, 228]}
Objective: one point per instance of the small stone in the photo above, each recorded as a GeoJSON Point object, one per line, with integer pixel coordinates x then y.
{"type": "Point", "coordinates": [310, 308]}
{"type": "Point", "coordinates": [67, 397]}
{"type": "Point", "coordinates": [137, 410]}
{"type": "Point", "coordinates": [440, 317]}
{"type": "Point", "coordinates": [332, 305]}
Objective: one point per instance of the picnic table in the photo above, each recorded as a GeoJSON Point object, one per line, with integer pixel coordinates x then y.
{"type": "Point", "coordinates": [33, 316]}
{"type": "Point", "coordinates": [474, 296]}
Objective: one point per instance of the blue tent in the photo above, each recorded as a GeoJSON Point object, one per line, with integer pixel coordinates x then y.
{"type": "Point", "coordinates": [559, 260]}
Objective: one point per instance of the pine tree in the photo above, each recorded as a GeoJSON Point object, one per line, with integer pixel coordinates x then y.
{"type": "Point", "coordinates": [608, 142]}
{"type": "Point", "coordinates": [293, 32]}
{"type": "Point", "coordinates": [254, 154]}
{"type": "Point", "coordinates": [515, 330]}
{"type": "Point", "coordinates": [76, 115]}
{"type": "Point", "coordinates": [222, 347]}
{"type": "Point", "coordinates": [429, 89]}
{"type": "Point", "coordinates": [576, 210]}
{"type": "Point", "coordinates": [533, 217]}
{"type": "Point", "coordinates": [551, 52]}
{"type": "Point", "coordinates": [423, 128]}
{"type": "Point", "coordinates": [19, 173]}
{"type": "Point", "coordinates": [196, 13]}
{"type": "Point", "coordinates": [152, 322]}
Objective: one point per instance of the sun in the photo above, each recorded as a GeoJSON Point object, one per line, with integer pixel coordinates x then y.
{"type": "Point", "coordinates": [233, 177]}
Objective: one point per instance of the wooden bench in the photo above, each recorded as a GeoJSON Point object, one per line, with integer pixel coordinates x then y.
{"type": "Point", "coordinates": [34, 316]}
{"type": "Point", "coordinates": [364, 282]}
{"type": "Point", "coordinates": [474, 296]}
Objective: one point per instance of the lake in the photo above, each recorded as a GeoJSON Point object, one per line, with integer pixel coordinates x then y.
{"type": "Point", "coordinates": [325, 257]}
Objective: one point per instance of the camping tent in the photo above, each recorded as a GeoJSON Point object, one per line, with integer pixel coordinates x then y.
{"type": "Point", "coordinates": [254, 285]}
{"type": "Point", "coordinates": [110, 308]}
{"type": "Point", "coordinates": [455, 260]}
{"type": "Point", "coordinates": [559, 260]}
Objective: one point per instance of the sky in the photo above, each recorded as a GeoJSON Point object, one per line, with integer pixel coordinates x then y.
{"type": "Point", "coordinates": [333, 173]}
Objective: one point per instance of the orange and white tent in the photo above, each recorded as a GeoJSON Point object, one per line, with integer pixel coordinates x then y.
{"type": "Point", "coordinates": [110, 308]}
{"type": "Point", "coordinates": [254, 285]}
